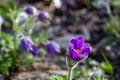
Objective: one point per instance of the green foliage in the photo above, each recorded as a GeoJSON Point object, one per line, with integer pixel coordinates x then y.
{"type": "Point", "coordinates": [107, 65]}
{"type": "Point", "coordinates": [111, 28]}
{"type": "Point", "coordinates": [116, 5]}
{"type": "Point", "coordinates": [5, 62]}
{"type": "Point", "coordinates": [114, 30]}
{"type": "Point", "coordinates": [88, 2]}
{"type": "Point", "coordinates": [77, 73]}
{"type": "Point", "coordinates": [42, 36]}
{"type": "Point", "coordinates": [43, 51]}
{"type": "Point", "coordinates": [97, 78]}
{"type": "Point", "coordinates": [11, 55]}
{"type": "Point", "coordinates": [81, 73]}
{"type": "Point", "coordinates": [106, 40]}
{"type": "Point", "coordinates": [4, 9]}
{"type": "Point", "coordinates": [55, 77]}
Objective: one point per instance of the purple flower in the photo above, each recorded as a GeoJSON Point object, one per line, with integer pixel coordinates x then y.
{"type": "Point", "coordinates": [26, 45]}
{"type": "Point", "coordinates": [52, 47]}
{"type": "Point", "coordinates": [78, 49]}
{"type": "Point", "coordinates": [31, 10]}
{"type": "Point", "coordinates": [43, 16]}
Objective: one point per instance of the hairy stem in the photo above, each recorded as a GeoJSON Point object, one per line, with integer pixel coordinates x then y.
{"type": "Point", "coordinates": [70, 73]}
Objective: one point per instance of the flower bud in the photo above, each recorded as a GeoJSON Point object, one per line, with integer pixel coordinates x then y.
{"type": "Point", "coordinates": [27, 44]}
{"type": "Point", "coordinates": [52, 47]}
{"type": "Point", "coordinates": [43, 16]}
{"type": "Point", "coordinates": [31, 10]}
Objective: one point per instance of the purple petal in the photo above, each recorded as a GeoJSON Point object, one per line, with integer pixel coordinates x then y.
{"type": "Point", "coordinates": [78, 49]}
{"type": "Point", "coordinates": [56, 46]}
{"type": "Point", "coordinates": [34, 51]}
{"type": "Point", "coordinates": [25, 43]}
{"type": "Point", "coordinates": [43, 16]}
{"type": "Point", "coordinates": [73, 53]}
{"type": "Point", "coordinates": [30, 9]}
{"type": "Point", "coordinates": [86, 48]}
{"type": "Point", "coordinates": [71, 46]}
{"type": "Point", "coordinates": [50, 50]}
{"type": "Point", "coordinates": [73, 41]}
{"type": "Point", "coordinates": [79, 42]}
{"type": "Point", "coordinates": [52, 47]}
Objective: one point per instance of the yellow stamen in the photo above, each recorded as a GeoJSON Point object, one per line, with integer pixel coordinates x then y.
{"type": "Point", "coordinates": [79, 51]}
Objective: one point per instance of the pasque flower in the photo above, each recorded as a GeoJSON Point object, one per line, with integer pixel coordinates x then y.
{"type": "Point", "coordinates": [31, 10]}
{"type": "Point", "coordinates": [78, 49]}
{"type": "Point", "coordinates": [43, 16]}
{"type": "Point", "coordinates": [27, 45]}
{"type": "Point", "coordinates": [52, 47]}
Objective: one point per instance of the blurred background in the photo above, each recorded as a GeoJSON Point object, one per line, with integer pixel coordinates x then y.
{"type": "Point", "coordinates": [97, 20]}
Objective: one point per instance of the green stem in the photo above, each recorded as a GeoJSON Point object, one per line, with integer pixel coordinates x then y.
{"type": "Point", "coordinates": [15, 37]}
{"type": "Point", "coordinates": [15, 44]}
{"type": "Point", "coordinates": [70, 68]}
{"type": "Point", "coordinates": [70, 73]}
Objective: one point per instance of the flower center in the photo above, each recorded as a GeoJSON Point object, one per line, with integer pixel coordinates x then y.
{"type": "Point", "coordinates": [79, 51]}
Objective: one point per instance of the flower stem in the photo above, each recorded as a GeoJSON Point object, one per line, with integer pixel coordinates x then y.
{"type": "Point", "coordinates": [70, 73]}
{"type": "Point", "coordinates": [70, 68]}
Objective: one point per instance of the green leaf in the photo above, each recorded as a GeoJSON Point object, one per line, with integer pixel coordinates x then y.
{"type": "Point", "coordinates": [42, 36]}
{"type": "Point", "coordinates": [43, 51]}
{"type": "Point", "coordinates": [107, 66]}
{"type": "Point", "coordinates": [111, 28]}
{"type": "Point", "coordinates": [55, 77]}
{"type": "Point", "coordinates": [116, 4]}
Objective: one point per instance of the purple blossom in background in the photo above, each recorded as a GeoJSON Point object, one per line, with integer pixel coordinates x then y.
{"type": "Point", "coordinates": [78, 49]}
{"type": "Point", "coordinates": [31, 10]}
{"type": "Point", "coordinates": [43, 16]}
{"type": "Point", "coordinates": [27, 44]}
{"type": "Point", "coordinates": [52, 47]}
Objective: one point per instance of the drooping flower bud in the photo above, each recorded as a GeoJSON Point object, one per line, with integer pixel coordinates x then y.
{"type": "Point", "coordinates": [31, 10]}
{"type": "Point", "coordinates": [27, 45]}
{"type": "Point", "coordinates": [43, 16]}
{"type": "Point", "coordinates": [52, 47]}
